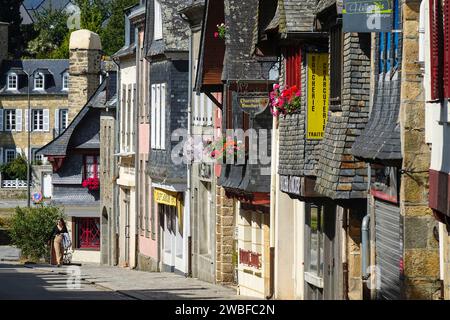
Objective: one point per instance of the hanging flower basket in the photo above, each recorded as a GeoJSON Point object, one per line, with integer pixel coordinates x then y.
{"type": "Point", "coordinates": [93, 184]}
{"type": "Point", "coordinates": [284, 101]}
{"type": "Point", "coordinates": [221, 31]}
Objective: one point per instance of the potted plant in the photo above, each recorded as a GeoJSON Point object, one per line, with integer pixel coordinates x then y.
{"type": "Point", "coordinates": [221, 31]}
{"type": "Point", "coordinates": [93, 184]}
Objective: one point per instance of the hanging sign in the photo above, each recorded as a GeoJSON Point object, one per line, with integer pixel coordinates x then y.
{"type": "Point", "coordinates": [367, 16]}
{"type": "Point", "coordinates": [253, 103]}
{"type": "Point", "coordinates": [318, 92]}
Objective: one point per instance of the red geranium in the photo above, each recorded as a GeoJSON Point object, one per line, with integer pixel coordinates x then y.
{"type": "Point", "coordinates": [92, 184]}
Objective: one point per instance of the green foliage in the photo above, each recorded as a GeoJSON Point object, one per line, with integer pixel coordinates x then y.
{"type": "Point", "coordinates": [93, 14]}
{"type": "Point", "coordinates": [16, 169]}
{"type": "Point", "coordinates": [113, 35]}
{"type": "Point", "coordinates": [10, 13]}
{"type": "Point", "coordinates": [51, 27]}
{"type": "Point", "coordinates": [30, 229]}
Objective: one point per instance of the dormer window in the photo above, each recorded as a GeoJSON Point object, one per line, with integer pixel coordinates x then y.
{"type": "Point", "coordinates": [157, 29]}
{"type": "Point", "coordinates": [65, 81]}
{"type": "Point", "coordinates": [39, 83]}
{"type": "Point", "coordinates": [12, 81]}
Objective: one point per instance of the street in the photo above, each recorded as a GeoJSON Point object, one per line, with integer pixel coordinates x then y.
{"type": "Point", "coordinates": [20, 283]}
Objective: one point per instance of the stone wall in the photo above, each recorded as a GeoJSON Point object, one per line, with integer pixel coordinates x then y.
{"type": "Point", "coordinates": [421, 249]}
{"type": "Point", "coordinates": [225, 226]}
{"type": "Point", "coordinates": [84, 77]}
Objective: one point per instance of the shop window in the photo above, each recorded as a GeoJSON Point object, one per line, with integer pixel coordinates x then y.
{"type": "Point", "coordinates": [87, 233]}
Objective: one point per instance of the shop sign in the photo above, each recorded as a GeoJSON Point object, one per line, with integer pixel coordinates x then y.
{"type": "Point", "coordinates": [253, 103]}
{"type": "Point", "coordinates": [367, 16]}
{"type": "Point", "coordinates": [165, 197]}
{"type": "Point", "coordinates": [318, 92]}
{"type": "Point", "coordinates": [290, 184]}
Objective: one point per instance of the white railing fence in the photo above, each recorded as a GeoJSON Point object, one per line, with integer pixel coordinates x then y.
{"type": "Point", "coordinates": [14, 184]}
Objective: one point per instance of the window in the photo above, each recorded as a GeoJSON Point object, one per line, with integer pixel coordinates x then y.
{"type": "Point", "coordinates": [38, 159]}
{"type": "Point", "coordinates": [65, 81]}
{"type": "Point", "coordinates": [157, 30]}
{"type": "Point", "coordinates": [63, 119]}
{"type": "Point", "coordinates": [10, 155]}
{"type": "Point", "coordinates": [336, 50]}
{"type": "Point", "coordinates": [293, 65]}
{"type": "Point", "coordinates": [158, 138]}
{"type": "Point", "coordinates": [12, 81]}
{"type": "Point", "coordinates": [91, 167]}
{"type": "Point", "coordinates": [38, 120]}
{"type": "Point", "coordinates": [87, 233]}
{"type": "Point", "coordinates": [39, 81]}
{"type": "Point", "coordinates": [315, 225]}
{"type": "Point", "coordinates": [10, 119]}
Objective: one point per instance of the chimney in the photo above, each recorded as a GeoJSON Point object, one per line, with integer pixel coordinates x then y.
{"type": "Point", "coordinates": [3, 41]}
{"type": "Point", "coordinates": [85, 67]}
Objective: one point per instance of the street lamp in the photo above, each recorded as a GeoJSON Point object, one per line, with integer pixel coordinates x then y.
{"type": "Point", "coordinates": [29, 141]}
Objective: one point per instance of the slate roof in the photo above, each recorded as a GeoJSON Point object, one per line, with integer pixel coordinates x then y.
{"type": "Point", "coordinates": [296, 16]}
{"type": "Point", "coordinates": [239, 63]}
{"type": "Point", "coordinates": [175, 29]}
{"type": "Point", "coordinates": [59, 145]}
{"type": "Point", "coordinates": [53, 81]}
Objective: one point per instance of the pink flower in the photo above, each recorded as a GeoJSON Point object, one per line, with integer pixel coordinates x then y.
{"type": "Point", "coordinates": [276, 86]}
{"type": "Point", "coordinates": [216, 34]}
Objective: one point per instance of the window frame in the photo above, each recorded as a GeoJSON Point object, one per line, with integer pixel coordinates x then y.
{"type": "Point", "coordinates": [63, 125]}
{"type": "Point", "coordinates": [77, 223]}
{"type": "Point", "coordinates": [95, 166]}
{"type": "Point", "coordinates": [6, 155]}
{"type": "Point", "coordinates": [65, 81]}
{"type": "Point", "coordinates": [41, 76]}
{"type": "Point", "coordinates": [34, 113]}
{"type": "Point", "coordinates": [16, 79]}
{"type": "Point", "coordinates": [10, 122]}
{"type": "Point", "coordinates": [157, 21]}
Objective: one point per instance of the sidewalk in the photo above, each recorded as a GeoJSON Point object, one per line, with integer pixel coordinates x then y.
{"type": "Point", "coordinates": [146, 285]}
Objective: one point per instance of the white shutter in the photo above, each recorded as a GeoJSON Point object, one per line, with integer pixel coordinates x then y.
{"type": "Point", "coordinates": [163, 116]}
{"type": "Point", "coordinates": [153, 116]}
{"type": "Point", "coordinates": [158, 117]}
{"type": "Point", "coordinates": [1, 119]}
{"type": "Point", "coordinates": [1, 155]}
{"type": "Point", "coordinates": [202, 110]}
{"type": "Point", "coordinates": [46, 120]}
{"type": "Point", "coordinates": [209, 112]}
{"type": "Point", "coordinates": [57, 121]}
{"type": "Point", "coordinates": [157, 32]}
{"type": "Point", "coordinates": [27, 125]}
{"type": "Point", "coordinates": [18, 119]}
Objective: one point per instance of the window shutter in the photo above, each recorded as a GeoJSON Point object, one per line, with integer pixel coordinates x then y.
{"type": "Point", "coordinates": [46, 120]}
{"type": "Point", "coordinates": [293, 60]}
{"type": "Point", "coordinates": [158, 117]}
{"type": "Point", "coordinates": [1, 155]}
{"type": "Point", "coordinates": [153, 117]}
{"type": "Point", "coordinates": [1, 119]}
{"type": "Point", "coordinates": [19, 120]}
{"type": "Point", "coordinates": [163, 116]}
{"type": "Point", "coordinates": [57, 121]}
{"type": "Point", "coordinates": [435, 44]}
{"type": "Point", "coordinates": [27, 125]}
{"type": "Point", "coordinates": [446, 51]}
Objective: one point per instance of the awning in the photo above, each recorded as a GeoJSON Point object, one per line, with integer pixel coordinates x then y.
{"type": "Point", "coordinates": [171, 199]}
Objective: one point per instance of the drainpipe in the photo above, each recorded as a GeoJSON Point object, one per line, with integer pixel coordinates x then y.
{"type": "Point", "coordinates": [136, 147]}
{"type": "Point", "coordinates": [365, 230]}
{"type": "Point", "coordinates": [189, 164]}
{"type": "Point", "coordinates": [114, 259]}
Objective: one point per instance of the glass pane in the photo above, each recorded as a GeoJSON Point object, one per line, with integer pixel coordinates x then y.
{"type": "Point", "coordinates": [321, 237]}
{"type": "Point", "coordinates": [314, 239]}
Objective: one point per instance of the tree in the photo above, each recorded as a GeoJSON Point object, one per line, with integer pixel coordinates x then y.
{"type": "Point", "coordinates": [10, 13]}
{"type": "Point", "coordinates": [31, 228]}
{"type": "Point", "coordinates": [93, 14]}
{"type": "Point", "coordinates": [113, 34]}
{"type": "Point", "coordinates": [16, 169]}
{"type": "Point", "coordinates": [51, 27]}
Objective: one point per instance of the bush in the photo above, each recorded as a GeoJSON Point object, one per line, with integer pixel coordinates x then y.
{"type": "Point", "coordinates": [31, 229]}
{"type": "Point", "coordinates": [16, 169]}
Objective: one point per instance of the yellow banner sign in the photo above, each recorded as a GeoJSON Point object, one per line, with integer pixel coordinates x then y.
{"type": "Point", "coordinates": [165, 197]}
{"type": "Point", "coordinates": [318, 91]}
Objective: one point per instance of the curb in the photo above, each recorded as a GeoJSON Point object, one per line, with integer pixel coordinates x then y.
{"type": "Point", "coordinates": [29, 266]}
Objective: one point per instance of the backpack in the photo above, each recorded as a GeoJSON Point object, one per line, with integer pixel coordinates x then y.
{"type": "Point", "coordinates": [67, 243]}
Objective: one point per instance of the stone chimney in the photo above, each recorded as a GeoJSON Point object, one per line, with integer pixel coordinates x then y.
{"type": "Point", "coordinates": [3, 41]}
{"type": "Point", "coordinates": [85, 67]}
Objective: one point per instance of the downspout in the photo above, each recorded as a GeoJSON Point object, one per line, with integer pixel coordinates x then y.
{"type": "Point", "coordinates": [189, 164]}
{"type": "Point", "coordinates": [136, 146]}
{"type": "Point", "coordinates": [114, 259]}
{"type": "Point", "coordinates": [365, 236]}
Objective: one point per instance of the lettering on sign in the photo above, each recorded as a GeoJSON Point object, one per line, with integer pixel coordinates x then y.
{"type": "Point", "coordinates": [318, 89]}
{"type": "Point", "coordinates": [290, 184]}
{"type": "Point", "coordinates": [165, 197]}
{"type": "Point", "coordinates": [367, 16]}
{"type": "Point", "coordinates": [253, 103]}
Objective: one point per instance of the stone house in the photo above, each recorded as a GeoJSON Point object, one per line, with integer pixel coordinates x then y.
{"type": "Point", "coordinates": [404, 246]}
{"type": "Point", "coordinates": [48, 85]}
{"type": "Point", "coordinates": [75, 153]}
{"type": "Point", "coordinates": [167, 50]}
